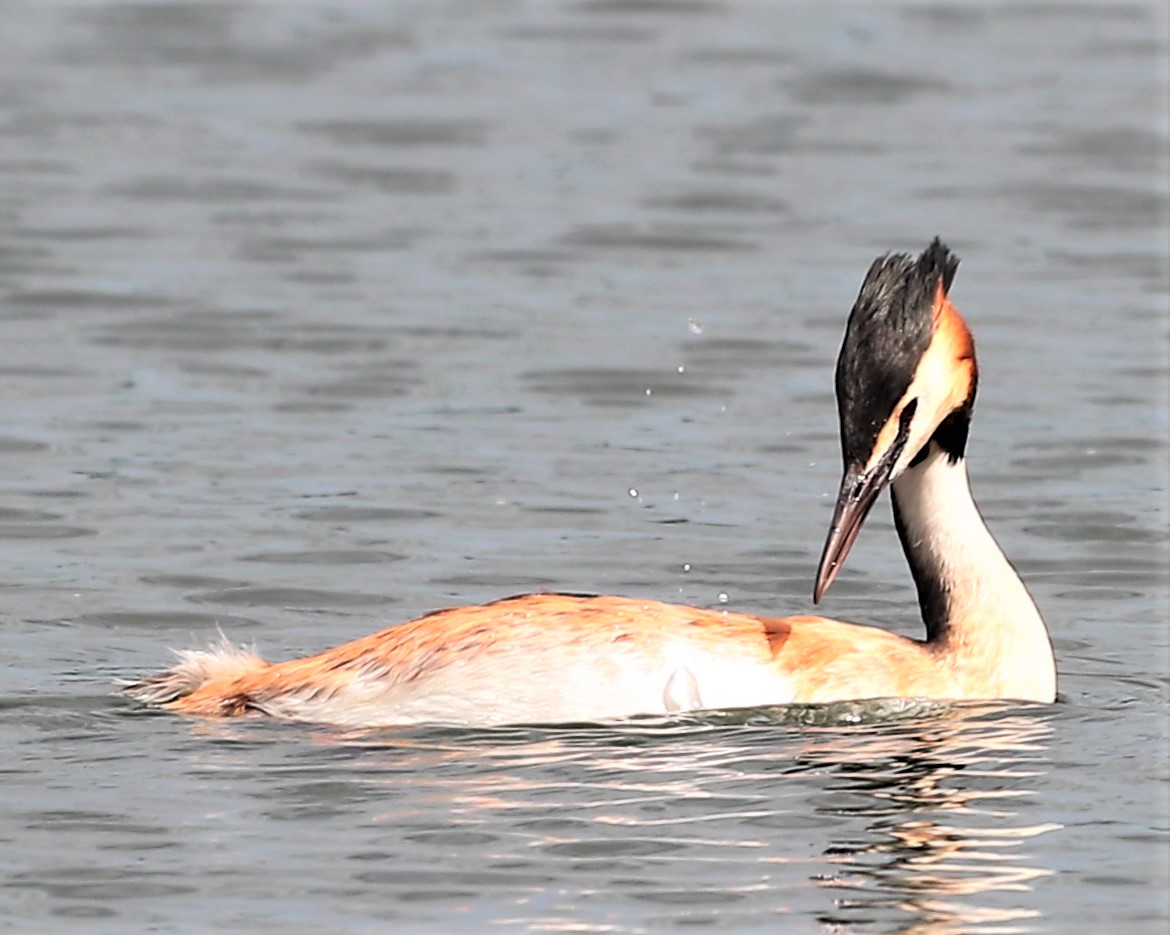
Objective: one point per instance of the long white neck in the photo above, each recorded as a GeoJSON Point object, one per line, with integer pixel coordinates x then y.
{"type": "Point", "coordinates": [980, 618]}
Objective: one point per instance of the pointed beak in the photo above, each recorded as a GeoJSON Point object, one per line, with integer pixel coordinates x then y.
{"type": "Point", "coordinates": [859, 492]}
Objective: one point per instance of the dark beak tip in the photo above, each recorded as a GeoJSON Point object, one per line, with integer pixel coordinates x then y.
{"type": "Point", "coordinates": [856, 497]}
{"type": "Point", "coordinates": [822, 582]}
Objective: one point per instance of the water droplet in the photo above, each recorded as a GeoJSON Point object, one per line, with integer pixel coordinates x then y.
{"type": "Point", "coordinates": [682, 369]}
{"type": "Point", "coordinates": [633, 492]}
{"type": "Point", "coordinates": [723, 597]}
{"type": "Point", "coordinates": [649, 391]}
{"type": "Point", "coordinates": [695, 326]}
{"type": "Point", "coordinates": [686, 567]}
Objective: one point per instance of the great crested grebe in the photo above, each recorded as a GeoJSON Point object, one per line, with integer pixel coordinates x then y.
{"type": "Point", "coordinates": [906, 378]}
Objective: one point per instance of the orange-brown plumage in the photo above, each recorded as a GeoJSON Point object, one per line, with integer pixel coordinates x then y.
{"type": "Point", "coordinates": [809, 658]}
{"type": "Point", "coordinates": [906, 383]}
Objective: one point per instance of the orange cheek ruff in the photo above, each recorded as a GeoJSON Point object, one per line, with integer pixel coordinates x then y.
{"type": "Point", "coordinates": [945, 376]}
{"type": "Point", "coordinates": [956, 345]}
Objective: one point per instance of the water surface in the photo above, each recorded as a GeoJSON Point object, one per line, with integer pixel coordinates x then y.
{"type": "Point", "coordinates": [319, 317]}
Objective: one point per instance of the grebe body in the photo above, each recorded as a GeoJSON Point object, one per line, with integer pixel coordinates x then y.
{"type": "Point", "coordinates": [906, 380]}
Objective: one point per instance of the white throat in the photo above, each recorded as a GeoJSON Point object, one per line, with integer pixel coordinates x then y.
{"type": "Point", "coordinates": [977, 611]}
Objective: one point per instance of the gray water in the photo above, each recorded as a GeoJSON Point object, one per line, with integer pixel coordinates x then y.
{"type": "Point", "coordinates": [319, 317]}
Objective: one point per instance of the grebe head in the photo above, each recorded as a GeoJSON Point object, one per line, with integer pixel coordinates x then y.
{"type": "Point", "coordinates": [906, 379]}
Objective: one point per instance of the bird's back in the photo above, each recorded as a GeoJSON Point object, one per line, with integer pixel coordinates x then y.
{"type": "Point", "coordinates": [542, 658]}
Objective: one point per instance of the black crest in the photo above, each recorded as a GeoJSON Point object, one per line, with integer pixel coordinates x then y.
{"type": "Point", "coordinates": [889, 330]}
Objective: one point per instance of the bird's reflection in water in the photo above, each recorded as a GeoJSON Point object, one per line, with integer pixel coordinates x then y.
{"type": "Point", "coordinates": [858, 818]}
{"type": "Point", "coordinates": [943, 849]}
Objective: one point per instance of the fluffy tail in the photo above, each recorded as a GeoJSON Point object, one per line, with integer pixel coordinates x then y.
{"type": "Point", "coordinates": [211, 682]}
